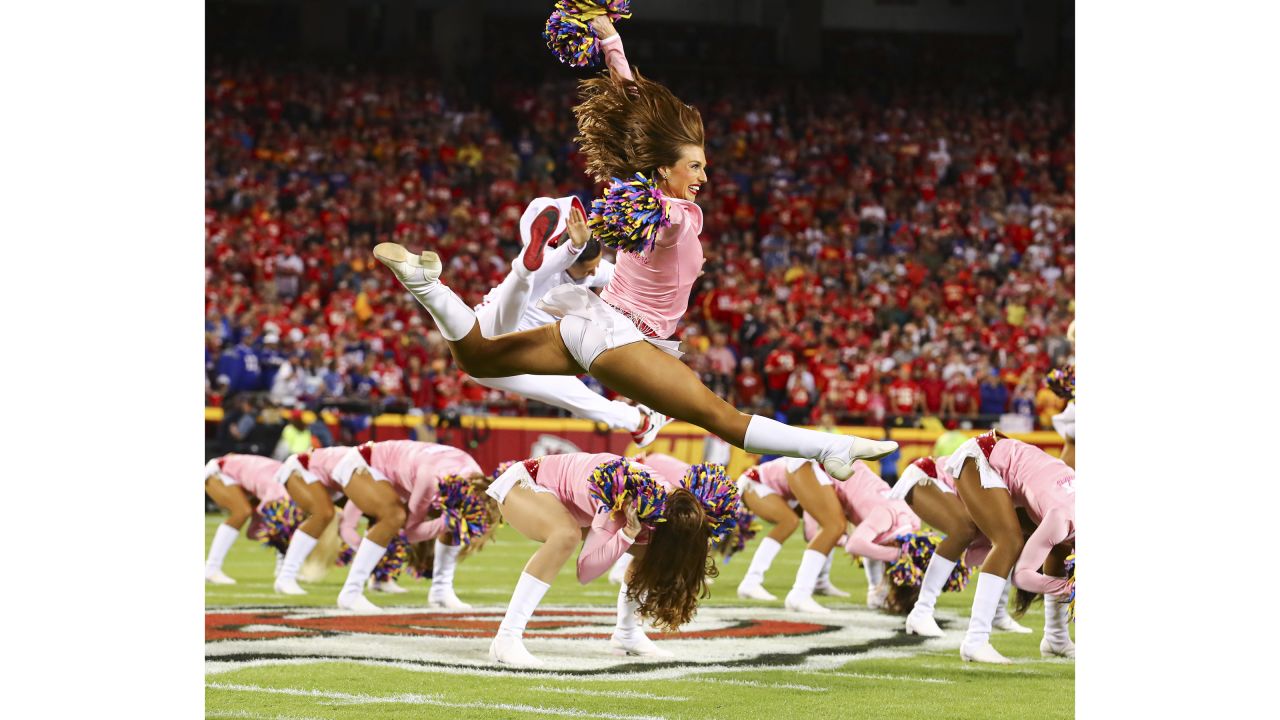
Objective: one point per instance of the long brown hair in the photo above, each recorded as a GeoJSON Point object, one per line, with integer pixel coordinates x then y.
{"type": "Point", "coordinates": [901, 598]}
{"type": "Point", "coordinates": [631, 126]}
{"type": "Point", "coordinates": [672, 574]}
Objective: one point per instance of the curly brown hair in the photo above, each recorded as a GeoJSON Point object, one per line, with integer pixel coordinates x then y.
{"type": "Point", "coordinates": [671, 576]}
{"type": "Point", "coordinates": [632, 126]}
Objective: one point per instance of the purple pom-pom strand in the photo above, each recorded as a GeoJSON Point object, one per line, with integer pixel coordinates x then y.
{"type": "Point", "coordinates": [718, 494]}
{"type": "Point", "coordinates": [631, 215]}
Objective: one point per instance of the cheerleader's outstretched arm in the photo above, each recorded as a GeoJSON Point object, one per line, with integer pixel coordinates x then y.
{"type": "Point", "coordinates": [611, 43]}
{"type": "Point", "coordinates": [351, 515]}
{"type": "Point", "coordinates": [862, 542]}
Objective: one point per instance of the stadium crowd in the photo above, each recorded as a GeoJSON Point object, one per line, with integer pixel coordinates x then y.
{"type": "Point", "coordinates": [868, 261]}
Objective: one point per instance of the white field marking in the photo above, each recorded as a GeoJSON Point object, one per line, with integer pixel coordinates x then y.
{"type": "Point", "coordinates": [758, 684]}
{"type": "Point", "coordinates": [989, 667]}
{"type": "Point", "coordinates": [431, 700]}
{"type": "Point", "coordinates": [254, 716]}
{"type": "Point", "coordinates": [879, 676]}
{"type": "Point", "coordinates": [626, 694]}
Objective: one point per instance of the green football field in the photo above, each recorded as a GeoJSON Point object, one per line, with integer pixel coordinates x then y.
{"type": "Point", "coordinates": [296, 658]}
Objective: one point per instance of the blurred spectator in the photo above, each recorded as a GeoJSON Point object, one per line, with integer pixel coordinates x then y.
{"type": "Point", "coordinates": [994, 395]}
{"type": "Point", "coordinates": [847, 232]}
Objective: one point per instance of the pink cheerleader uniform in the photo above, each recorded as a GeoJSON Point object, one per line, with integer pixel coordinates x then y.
{"type": "Point", "coordinates": [415, 470]}
{"type": "Point", "coordinates": [924, 471]}
{"type": "Point", "coordinates": [649, 292]}
{"type": "Point", "coordinates": [878, 518]}
{"type": "Point", "coordinates": [254, 473]}
{"type": "Point", "coordinates": [315, 466]}
{"type": "Point", "coordinates": [568, 478]}
{"type": "Point", "coordinates": [1045, 487]}
{"type": "Point", "coordinates": [772, 478]}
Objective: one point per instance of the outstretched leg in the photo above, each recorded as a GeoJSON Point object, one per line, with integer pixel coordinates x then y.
{"type": "Point", "coordinates": [638, 370]}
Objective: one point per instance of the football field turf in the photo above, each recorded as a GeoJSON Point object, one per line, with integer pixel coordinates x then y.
{"type": "Point", "coordinates": [294, 658]}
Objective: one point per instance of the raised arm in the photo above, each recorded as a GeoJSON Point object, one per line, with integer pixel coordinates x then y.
{"type": "Point", "coordinates": [1054, 529]}
{"type": "Point", "coordinates": [611, 45]}
{"type": "Point", "coordinates": [862, 541]}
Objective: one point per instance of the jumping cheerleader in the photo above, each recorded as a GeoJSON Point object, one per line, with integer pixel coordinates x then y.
{"type": "Point", "coordinates": [772, 490]}
{"type": "Point", "coordinates": [427, 478]}
{"type": "Point", "coordinates": [511, 306]}
{"type": "Point", "coordinates": [620, 507]}
{"type": "Point", "coordinates": [232, 481]}
{"type": "Point", "coordinates": [994, 476]}
{"type": "Point", "coordinates": [931, 492]}
{"type": "Point", "coordinates": [400, 483]}
{"type": "Point", "coordinates": [308, 478]}
{"type": "Point", "coordinates": [634, 129]}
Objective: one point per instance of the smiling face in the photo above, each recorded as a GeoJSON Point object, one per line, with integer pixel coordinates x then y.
{"type": "Point", "coordinates": [685, 178]}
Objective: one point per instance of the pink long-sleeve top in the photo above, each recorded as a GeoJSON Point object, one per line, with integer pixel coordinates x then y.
{"type": "Point", "coordinates": [256, 474]}
{"type": "Point", "coordinates": [567, 477]}
{"type": "Point", "coordinates": [653, 287]}
{"type": "Point", "coordinates": [878, 519]}
{"type": "Point", "coordinates": [1045, 486]}
{"type": "Point", "coordinates": [415, 470]}
{"type": "Point", "coordinates": [321, 463]}
{"type": "Point", "coordinates": [773, 475]}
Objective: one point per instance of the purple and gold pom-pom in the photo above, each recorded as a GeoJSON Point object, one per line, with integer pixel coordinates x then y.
{"type": "Point", "coordinates": [959, 578]}
{"type": "Point", "coordinates": [1071, 588]}
{"type": "Point", "coordinates": [612, 483]}
{"type": "Point", "coordinates": [392, 562]}
{"type": "Point", "coordinates": [465, 516]}
{"type": "Point", "coordinates": [1062, 381]}
{"type": "Point", "coordinates": [568, 32]}
{"type": "Point", "coordinates": [275, 524]}
{"type": "Point", "coordinates": [917, 549]}
{"type": "Point", "coordinates": [744, 528]}
{"type": "Point", "coordinates": [718, 494]}
{"type": "Point", "coordinates": [631, 215]}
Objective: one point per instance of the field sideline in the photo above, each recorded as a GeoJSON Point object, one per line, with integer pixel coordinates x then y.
{"type": "Point", "coordinates": [738, 659]}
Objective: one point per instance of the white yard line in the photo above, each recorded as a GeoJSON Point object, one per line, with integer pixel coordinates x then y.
{"type": "Point", "coordinates": [432, 700]}
{"type": "Point", "coordinates": [758, 684]}
{"type": "Point", "coordinates": [876, 676]}
{"type": "Point", "coordinates": [246, 715]}
{"type": "Point", "coordinates": [624, 694]}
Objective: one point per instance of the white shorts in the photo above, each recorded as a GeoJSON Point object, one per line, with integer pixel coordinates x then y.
{"type": "Point", "coordinates": [589, 326]}
{"type": "Point", "coordinates": [517, 473]}
{"type": "Point", "coordinates": [212, 468]}
{"type": "Point", "coordinates": [912, 477]}
{"type": "Point", "coordinates": [291, 466]}
{"type": "Point", "coordinates": [970, 449]}
{"type": "Point", "coordinates": [794, 464]}
{"type": "Point", "coordinates": [761, 490]}
{"type": "Point", "coordinates": [351, 461]}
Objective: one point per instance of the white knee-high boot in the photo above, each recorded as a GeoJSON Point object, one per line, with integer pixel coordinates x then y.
{"type": "Point", "coordinates": [442, 569]}
{"type": "Point", "coordinates": [977, 641]}
{"type": "Point", "coordinates": [508, 646]}
{"type": "Point", "coordinates": [300, 546]}
{"type": "Point", "coordinates": [837, 453]}
{"type": "Point", "coordinates": [920, 621]}
{"type": "Point", "coordinates": [223, 539]}
{"type": "Point", "coordinates": [752, 585]}
{"type": "Point", "coordinates": [628, 638]}
{"type": "Point", "coordinates": [800, 599]}
{"type": "Point", "coordinates": [366, 559]}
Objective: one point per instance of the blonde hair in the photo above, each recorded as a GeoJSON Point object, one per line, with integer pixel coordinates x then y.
{"type": "Point", "coordinates": [325, 554]}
